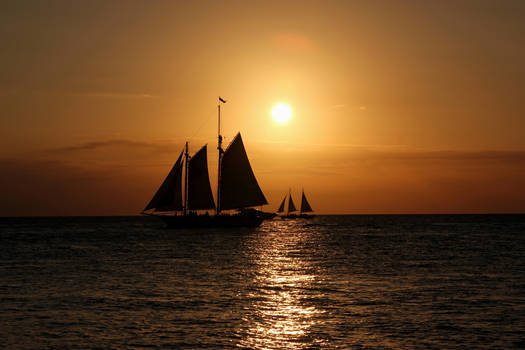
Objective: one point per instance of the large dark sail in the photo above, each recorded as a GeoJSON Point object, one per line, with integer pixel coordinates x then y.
{"type": "Point", "coordinates": [305, 206]}
{"type": "Point", "coordinates": [291, 206]}
{"type": "Point", "coordinates": [169, 195]}
{"type": "Point", "coordinates": [199, 189]}
{"type": "Point", "coordinates": [238, 185]}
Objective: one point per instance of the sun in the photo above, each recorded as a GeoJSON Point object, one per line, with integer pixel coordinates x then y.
{"type": "Point", "coordinates": [282, 113]}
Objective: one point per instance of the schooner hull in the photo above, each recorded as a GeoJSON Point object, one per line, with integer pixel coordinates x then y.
{"type": "Point", "coordinates": [203, 221]}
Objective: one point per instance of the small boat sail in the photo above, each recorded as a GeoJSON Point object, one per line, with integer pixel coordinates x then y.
{"type": "Point", "coordinates": [289, 209]}
{"type": "Point", "coordinates": [237, 189]}
{"type": "Point", "coordinates": [281, 207]}
{"type": "Point", "coordinates": [305, 207]}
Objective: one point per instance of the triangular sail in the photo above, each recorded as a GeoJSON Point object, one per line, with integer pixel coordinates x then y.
{"type": "Point", "coordinates": [169, 195]}
{"type": "Point", "coordinates": [291, 206]}
{"type": "Point", "coordinates": [281, 207]}
{"type": "Point", "coordinates": [305, 206]}
{"type": "Point", "coordinates": [199, 189]}
{"type": "Point", "coordinates": [238, 185]}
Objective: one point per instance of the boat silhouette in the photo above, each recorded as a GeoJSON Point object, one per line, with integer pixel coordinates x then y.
{"type": "Point", "coordinates": [186, 190]}
{"type": "Point", "coordinates": [290, 208]}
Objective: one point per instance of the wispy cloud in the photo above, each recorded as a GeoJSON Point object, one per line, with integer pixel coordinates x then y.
{"type": "Point", "coordinates": [102, 94]}
{"type": "Point", "coordinates": [490, 155]}
{"type": "Point", "coordinates": [361, 108]}
{"type": "Point", "coordinates": [303, 146]}
{"type": "Point", "coordinates": [90, 94]}
{"type": "Point", "coordinates": [399, 152]}
{"type": "Point", "coordinates": [158, 146]}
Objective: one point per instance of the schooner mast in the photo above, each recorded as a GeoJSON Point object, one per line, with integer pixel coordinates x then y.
{"type": "Point", "coordinates": [221, 152]}
{"type": "Point", "coordinates": [186, 157]}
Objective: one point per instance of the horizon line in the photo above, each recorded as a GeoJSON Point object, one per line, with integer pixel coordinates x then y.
{"type": "Point", "coordinates": [332, 214]}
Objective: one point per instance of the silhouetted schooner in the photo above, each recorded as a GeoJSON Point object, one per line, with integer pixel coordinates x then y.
{"type": "Point", "coordinates": [237, 189]}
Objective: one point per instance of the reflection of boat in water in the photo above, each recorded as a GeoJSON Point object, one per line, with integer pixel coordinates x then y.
{"type": "Point", "coordinates": [305, 207]}
{"type": "Point", "coordinates": [237, 190]}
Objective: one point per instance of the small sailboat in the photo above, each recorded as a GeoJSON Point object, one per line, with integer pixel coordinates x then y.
{"type": "Point", "coordinates": [290, 208]}
{"type": "Point", "coordinates": [237, 190]}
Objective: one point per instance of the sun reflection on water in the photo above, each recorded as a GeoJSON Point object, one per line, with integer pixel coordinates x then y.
{"type": "Point", "coordinates": [279, 314]}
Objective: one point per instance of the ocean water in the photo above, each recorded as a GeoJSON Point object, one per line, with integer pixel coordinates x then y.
{"type": "Point", "coordinates": [334, 282]}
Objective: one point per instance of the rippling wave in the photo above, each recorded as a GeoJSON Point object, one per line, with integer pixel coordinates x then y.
{"type": "Point", "coordinates": [367, 281]}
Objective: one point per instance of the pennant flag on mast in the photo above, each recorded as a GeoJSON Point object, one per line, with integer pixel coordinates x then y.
{"type": "Point", "coordinates": [222, 100]}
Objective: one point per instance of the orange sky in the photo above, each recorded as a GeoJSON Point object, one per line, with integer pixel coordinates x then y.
{"type": "Point", "coordinates": [399, 106]}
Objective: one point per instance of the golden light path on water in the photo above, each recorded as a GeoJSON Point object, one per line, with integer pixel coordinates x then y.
{"type": "Point", "coordinates": [279, 315]}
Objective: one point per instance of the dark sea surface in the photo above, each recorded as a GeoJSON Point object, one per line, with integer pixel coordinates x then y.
{"type": "Point", "coordinates": [334, 282]}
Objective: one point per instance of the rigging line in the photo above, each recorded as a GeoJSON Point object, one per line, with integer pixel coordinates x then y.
{"type": "Point", "coordinates": [208, 117]}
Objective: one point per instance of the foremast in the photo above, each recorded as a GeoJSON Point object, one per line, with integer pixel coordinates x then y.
{"type": "Point", "coordinates": [221, 152]}
{"type": "Point", "coordinates": [186, 167]}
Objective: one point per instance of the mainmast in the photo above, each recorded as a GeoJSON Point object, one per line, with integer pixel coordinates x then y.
{"type": "Point", "coordinates": [186, 157]}
{"type": "Point", "coordinates": [221, 152]}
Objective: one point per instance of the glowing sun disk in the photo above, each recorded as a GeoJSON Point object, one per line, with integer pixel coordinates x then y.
{"type": "Point", "coordinates": [282, 113]}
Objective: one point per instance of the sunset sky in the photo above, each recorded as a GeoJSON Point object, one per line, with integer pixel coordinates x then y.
{"type": "Point", "coordinates": [397, 106]}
